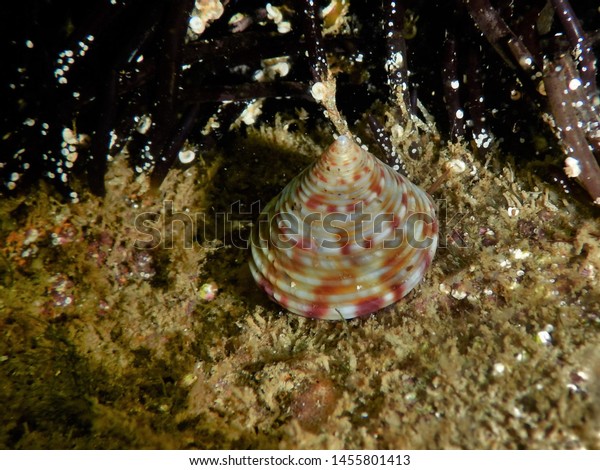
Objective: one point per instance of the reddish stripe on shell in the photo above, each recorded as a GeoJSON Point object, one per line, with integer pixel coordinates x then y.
{"type": "Point", "coordinates": [367, 243]}
{"type": "Point", "coordinates": [318, 310]}
{"type": "Point", "coordinates": [434, 227]}
{"type": "Point", "coordinates": [398, 290]}
{"type": "Point", "coordinates": [315, 201]}
{"type": "Point", "coordinates": [370, 305]}
{"type": "Point", "coordinates": [345, 246]}
{"type": "Point", "coordinates": [404, 199]}
{"type": "Point", "coordinates": [376, 187]}
{"type": "Point", "coordinates": [427, 260]}
{"type": "Point", "coordinates": [283, 300]}
{"type": "Point", "coordinates": [265, 285]}
{"type": "Point", "coordinates": [332, 286]}
{"type": "Point", "coordinates": [306, 244]}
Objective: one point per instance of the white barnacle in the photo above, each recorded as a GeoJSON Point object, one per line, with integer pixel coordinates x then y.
{"type": "Point", "coordinates": [69, 136]}
{"type": "Point", "coordinates": [456, 166]}
{"type": "Point", "coordinates": [572, 167]}
{"type": "Point", "coordinates": [251, 112]}
{"type": "Point", "coordinates": [394, 62]}
{"type": "Point", "coordinates": [143, 123]}
{"type": "Point", "coordinates": [197, 25]}
{"type": "Point", "coordinates": [544, 337]}
{"type": "Point", "coordinates": [271, 68]}
{"type": "Point", "coordinates": [318, 91]}
{"type": "Point", "coordinates": [187, 156]}
{"type": "Point", "coordinates": [499, 369]}
{"type": "Point", "coordinates": [284, 27]}
{"type": "Point", "coordinates": [274, 13]}
{"type": "Point", "coordinates": [483, 139]}
{"type": "Point", "coordinates": [526, 62]}
{"type": "Point", "coordinates": [574, 84]}
{"type": "Point", "coordinates": [113, 141]}
{"type": "Point", "coordinates": [458, 294]}
{"type": "Point", "coordinates": [281, 68]}
{"type": "Point", "coordinates": [520, 254]}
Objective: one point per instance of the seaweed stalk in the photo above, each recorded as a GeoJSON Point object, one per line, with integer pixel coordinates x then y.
{"type": "Point", "coordinates": [580, 162]}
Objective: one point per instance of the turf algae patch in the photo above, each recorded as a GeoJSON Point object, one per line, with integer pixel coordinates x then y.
{"type": "Point", "coordinates": [105, 345]}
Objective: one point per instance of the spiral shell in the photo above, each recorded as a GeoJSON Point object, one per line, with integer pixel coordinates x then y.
{"type": "Point", "coordinates": [346, 237]}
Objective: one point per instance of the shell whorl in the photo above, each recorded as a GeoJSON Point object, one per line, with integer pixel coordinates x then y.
{"type": "Point", "coordinates": [346, 237]}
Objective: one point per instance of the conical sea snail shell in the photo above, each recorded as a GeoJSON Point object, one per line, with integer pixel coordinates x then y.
{"type": "Point", "coordinates": [346, 237]}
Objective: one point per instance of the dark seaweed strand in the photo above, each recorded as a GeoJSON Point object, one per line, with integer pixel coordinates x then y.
{"type": "Point", "coordinates": [170, 64]}
{"type": "Point", "coordinates": [385, 144]}
{"type": "Point", "coordinates": [174, 145]}
{"type": "Point", "coordinates": [482, 135]}
{"type": "Point", "coordinates": [107, 99]}
{"type": "Point", "coordinates": [588, 107]}
{"type": "Point", "coordinates": [238, 47]}
{"type": "Point", "coordinates": [247, 91]}
{"type": "Point", "coordinates": [135, 90]}
{"type": "Point", "coordinates": [314, 42]}
{"type": "Point", "coordinates": [143, 33]}
{"type": "Point", "coordinates": [552, 81]}
{"type": "Point", "coordinates": [101, 94]}
{"type": "Point", "coordinates": [572, 136]}
{"type": "Point", "coordinates": [463, 86]}
{"type": "Point", "coordinates": [44, 100]}
{"type": "Point", "coordinates": [396, 61]}
{"type": "Point", "coordinates": [508, 45]}
{"type": "Point", "coordinates": [102, 134]}
{"type": "Point", "coordinates": [579, 42]}
{"type": "Point", "coordinates": [451, 86]}
{"type": "Point", "coordinates": [80, 79]}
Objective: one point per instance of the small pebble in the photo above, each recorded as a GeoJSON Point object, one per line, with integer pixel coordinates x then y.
{"type": "Point", "coordinates": [208, 291]}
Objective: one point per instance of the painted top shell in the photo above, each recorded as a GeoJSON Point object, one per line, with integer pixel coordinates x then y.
{"type": "Point", "coordinates": [345, 238]}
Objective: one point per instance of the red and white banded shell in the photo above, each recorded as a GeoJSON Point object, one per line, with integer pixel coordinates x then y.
{"type": "Point", "coordinates": [346, 237]}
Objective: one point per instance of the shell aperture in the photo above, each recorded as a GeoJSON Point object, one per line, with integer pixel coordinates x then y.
{"type": "Point", "coordinates": [346, 237]}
